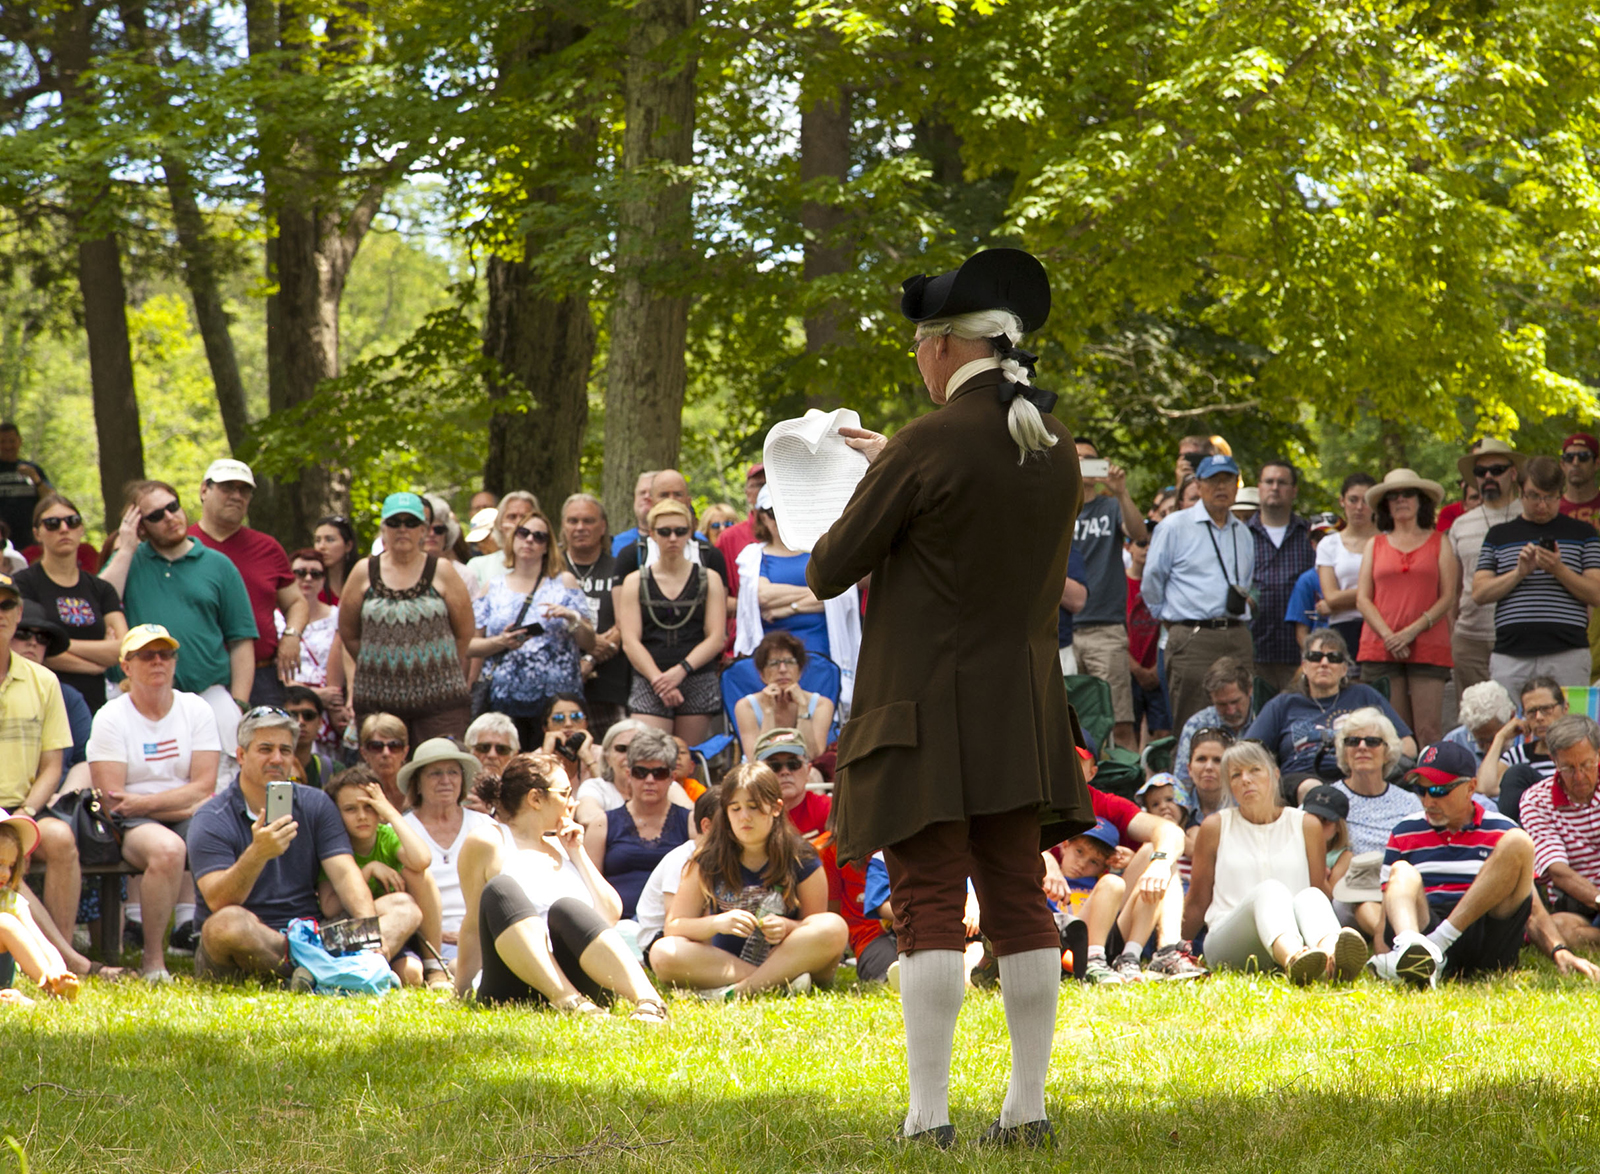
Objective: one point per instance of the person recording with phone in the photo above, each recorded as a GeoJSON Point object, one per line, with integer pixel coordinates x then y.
{"type": "Point", "coordinates": [256, 851]}
{"type": "Point", "coordinates": [533, 625]}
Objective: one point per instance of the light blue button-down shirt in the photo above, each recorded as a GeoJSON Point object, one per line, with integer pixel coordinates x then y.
{"type": "Point", "coordinates": [1183, 577]}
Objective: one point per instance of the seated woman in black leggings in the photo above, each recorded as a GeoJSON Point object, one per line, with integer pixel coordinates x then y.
{"type": "Point", "coordinates": [539, 915]}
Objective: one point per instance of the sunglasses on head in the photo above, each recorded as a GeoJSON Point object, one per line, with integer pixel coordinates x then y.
{"type": "Point", "coordinates": [1369, 740]}
{"type": "Point", "coordinates": [672, 531]}
{"type": "Point", "coordinates": [160, 512]}
{"type": "Point", "coordinates": [258, 711]}
{"type": "Point", "coordinates": [310, 573]}
{"type": "Point", "coordinates": [499, 748]}
{"type": "Point", "coordinates": [403, 522]}
{"type": "Point", "coordinates": [562, 718]}
{"type": "Point", "coordinates": [393, 745]}
{"type": "Point", "coordinates": [1489, 470]}
{"type": "Point", "coordinates": [1320, 654]}
{"type": "Point", "coordinates": [1212, 734]}
{"type": "Point", "coordinates": [531, 535]}
{"type": "Point", "coordinates": [660, 773]}
{"type": "Point", "coordinates": [70, 521]}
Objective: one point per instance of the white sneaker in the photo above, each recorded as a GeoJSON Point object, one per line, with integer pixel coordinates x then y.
{"type": "Point", "coordinates": [800, 984]}
{"type": "Point", "coordinates": [1417, 960]}
{"type": "Point", "coordinates": [893, 977]}
{"type": "Point", "coordinates": [156, 977]}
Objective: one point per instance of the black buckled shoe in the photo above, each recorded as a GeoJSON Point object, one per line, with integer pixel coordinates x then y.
{"type": "Point", "coordinates": [1032, 1134]}
{"type": "Point", "coordinates": [941, 1136]}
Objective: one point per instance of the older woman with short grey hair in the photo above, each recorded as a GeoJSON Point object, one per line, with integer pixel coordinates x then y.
{"type": "Point", "coordinates": [1257, 885]}
{"type": "Point", "coordinates": [646, 827]}
{"type": "Point", "coordinates": [492, 738]}
{"type": "Point", "coordinates": [1485, 708]}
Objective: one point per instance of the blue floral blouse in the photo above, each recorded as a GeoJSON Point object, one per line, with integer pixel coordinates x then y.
{"type": "Point", "coordinates": [523, 679]}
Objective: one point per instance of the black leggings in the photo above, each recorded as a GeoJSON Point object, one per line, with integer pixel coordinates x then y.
{"type": "Point", "coordinates": [573, 925]}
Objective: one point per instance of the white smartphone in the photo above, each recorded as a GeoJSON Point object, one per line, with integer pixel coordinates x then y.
{"type": "Point", "coordinates": [280, 801]}
{"type": "Point", "coordinates": [1094, 467]}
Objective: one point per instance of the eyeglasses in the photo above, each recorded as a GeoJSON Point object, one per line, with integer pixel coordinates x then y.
{"type": "Point", "coordinates": [499, 748]}
{"type": "Point", "coordinates": [565, 794]}
{"type": "Point", "coordinates": [1542, 710]}
{"type": "Point", "coordinates": [1411, 494]}
{"type": "Point", "coordinates": [305, 715]}
{"type": "Point", "coordinates": [309, 573]}
{"type": "Point", "coordinates": [403, 522]}
{"type": "Point", "coordinates": [440, 529]}
{"type": "Point", "coordinates": [260, 711]}
{"type": "Point", "coordinates": [1440, 790]}
{"type": "Point", "coordinates": [660, 773]}
{"type": "Point", "coordinates": [717, 525]}
{"type": "Point", "coordinates": [153, 654]}
{"type": "Point", "coordinates": [1580, 456]}
{"type": "Point", "coordinates": [783, 662]}
{"type": "Point", "coordinates": [531, 535]}
{"type": "Point", "coordinates": [70, 521]}
{"type": "Point", "coordinates": [785, 763]}
{"type": "Point", "coordinates": [1317, 655]}
{"type": "Point", "coordinates": [1489, 470]}
{"type": "Point", "coordinates": [1372, 741]}
{"type": "Point", "coordinates": [30, 635]}
{"type": "Point", "coordinates": [1538, 498]}
{"type": "Point", "coordinates": [160, 512]}
{"type": "Point", "coordinates": [392, 745]}
{"type": "Point", "coordinates": [561, 718]}
{"type": "Point", "coordinates": [672, 531]}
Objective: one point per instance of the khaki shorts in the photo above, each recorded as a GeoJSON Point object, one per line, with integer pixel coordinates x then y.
{"type": "Point", "coordinates": [1103, 652]}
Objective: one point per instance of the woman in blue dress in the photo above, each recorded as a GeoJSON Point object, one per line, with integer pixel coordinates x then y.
{"type": "Point", "coordinates": [532, 626]}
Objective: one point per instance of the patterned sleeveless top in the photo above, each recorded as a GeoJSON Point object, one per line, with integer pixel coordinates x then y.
{"type": "Point", "coordinates": [408, 665]}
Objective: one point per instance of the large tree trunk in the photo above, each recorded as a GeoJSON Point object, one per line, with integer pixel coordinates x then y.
{"type": "Point", "coordinates": [645, 370]}
{"type": "Point", "coordinates": [824, 154]}
{"type": "Point", "coordinates": [116, 408]}
{"type": "Point", "coordinates": [200, 274]}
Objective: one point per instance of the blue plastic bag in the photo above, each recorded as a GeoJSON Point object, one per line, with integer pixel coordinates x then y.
{"type": "Point", "coordinates": [364, 972]}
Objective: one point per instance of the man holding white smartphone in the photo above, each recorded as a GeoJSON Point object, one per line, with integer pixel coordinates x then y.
{"type": "Point", "coordinates": [255, 861]}
{"type": "Point", "coordinates": [1100, 629]}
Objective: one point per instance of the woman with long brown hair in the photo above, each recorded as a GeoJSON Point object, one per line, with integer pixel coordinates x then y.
{"type": "Point", "coordinates": [751, 912]}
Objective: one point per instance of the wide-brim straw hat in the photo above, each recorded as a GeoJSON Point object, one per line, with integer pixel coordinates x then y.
{"type": "Point", "coordinates": [1403, 479]}
{"type": "Point", "coordinates": [1489, 448]}
{"type": "Point", "coordinates": [439, 750]}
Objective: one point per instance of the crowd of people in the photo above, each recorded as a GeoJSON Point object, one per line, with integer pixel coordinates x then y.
{"type": "Point", "coordinates": [562, 763]}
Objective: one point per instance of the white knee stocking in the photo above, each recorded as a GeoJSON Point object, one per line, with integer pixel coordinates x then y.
{"type": "Point", "coordinates": [1030, 983]}
{"type": "Point", "coordinates": [931, 985]}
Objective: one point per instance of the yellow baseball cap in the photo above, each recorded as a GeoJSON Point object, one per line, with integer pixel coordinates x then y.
{"type": "Point", "coordinates": [143, 636]}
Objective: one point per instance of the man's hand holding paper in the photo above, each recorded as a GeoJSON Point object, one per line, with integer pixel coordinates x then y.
{"type": "Point", "coordinates": [813, 465]}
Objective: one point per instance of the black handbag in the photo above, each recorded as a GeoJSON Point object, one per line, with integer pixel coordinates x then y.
{"type": "Point", "coordinates": [96, 830]}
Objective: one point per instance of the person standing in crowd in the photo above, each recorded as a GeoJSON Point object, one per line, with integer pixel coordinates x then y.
{"type": "Point", "coordinates": [1149, 696]}
{"type": "Point", "coordinates": [443, 533]}
{"type": "Point", "coordinates": [1230, 690]}
{"type": "Point", "coordinates": [1406, 595]}
{"type": "Point", "coordinates": [741, 534]}
{"type": "Point", "coordinates": [786, 604]}
{"type": "Point", "coordinates": [334, 540]}
{"type": "Point", "coordinates": [1339, 557]}
{"type": "Point", "coordinates": [225, 495]}
{"type": "Point", "coordinates": [533, 624]}
{"type": "Point", "coordinates": [1470, 499]}
{"type": "Point", "coordinates": [1542, 574]}
{"type": "Point", "coordinates": [405, 620]}
{"type": "Point", "coordinates": [606, 675]}
{"type": "Point", "coordinates": [1074, 596]}
{"type": "Point", "coordinates": [193, 592]}
{"type": "Point", "coordinates": [86, 606]}
{"type": "Point", "coordinates": [482, 570]}
{"type": "Point", "coordinates": [1495, 470]}
{"type": "Point", "coordinates": [642, 501]}
{"type": "Point", "coordinates": [673, 613]}
{"type": "Point", "coordinates": [1580, 496]}
{"type": "Point", "coordinates": [22, 483]}
{"type": "Point", "coordinates": [1197, 583]}
{"type": "Point", "coordinates": [1191, 451]}
{"type": "Point", "coordinates": [321, 664]}
{"type": "Point", "coordinates": [946, 485]}
{"type": "Point", "coordinates": [1284, 552]}
{"type": "Point", "coordinates": [669, 485]}
{"type": "Point", "coordinates": [1100, 629]}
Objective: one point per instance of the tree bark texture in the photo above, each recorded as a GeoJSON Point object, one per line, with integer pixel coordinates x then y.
{"type": "Point", "coordinates": [116, 407]}
{"type": "Point", "coordinates": [824, 154]}
{"type": "Point", "coordinates": [645, 371]}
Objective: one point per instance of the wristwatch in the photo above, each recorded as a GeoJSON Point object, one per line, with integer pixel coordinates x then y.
{"type": "Point", "coordinates": [29, 810]}
{"type": "Point", "coordinates": [295, 632]}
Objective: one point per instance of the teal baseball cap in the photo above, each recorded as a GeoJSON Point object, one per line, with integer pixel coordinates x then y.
{"type": "Point", "coordinates": [404, 503]}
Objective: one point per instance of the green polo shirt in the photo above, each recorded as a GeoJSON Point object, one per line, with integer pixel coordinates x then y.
{"type": "Point", "coordinates": [199, 598]}
{"type": "Point", "coordinates": [33, 719]}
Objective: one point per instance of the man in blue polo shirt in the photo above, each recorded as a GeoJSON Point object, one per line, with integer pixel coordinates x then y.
{"type": "Point", "coordinates": [1458, 892]}
{"type": "Point", "coordinates": [253, 878]}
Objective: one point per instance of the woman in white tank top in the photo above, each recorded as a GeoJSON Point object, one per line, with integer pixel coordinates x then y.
{"type": "Point", "coordinates": [1259, 883]}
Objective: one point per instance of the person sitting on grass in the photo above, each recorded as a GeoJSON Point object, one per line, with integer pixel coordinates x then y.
{"type": "Point", "coordinates": [441, 812]}
{"type": "Point", "coordinates": [645, 828]}
{"type": "Point", "coordinates": [785, 753]}
{"type": "Point", "coordinates": [1563, 818]}
{"type": "Point", "coordinates": [1458, 885]}
{"type": "Point", "coordinates": [384, 744]}
{"type": "Point", "coordinates": [303, 703]}
{"type": "Point", "coordinates": [1085, 889]}
{"type": "Point", "coordinates": [752, 910]}
{"type": "Point", "coordinates": [1257, 884]}
{"type": "Point", "coordinates": [1158, 795]}
{"type": "Point", "coordinates": [540, 918]}
{"type": "Point", "coordinates": [666, 877]}
{"type": "Point", "coordinates": [255, 877]}
{"type": "Point", "coordinates": [1332, 810]}
{"type": "Point", "coordinates": [19, 936]}
{"type": "Point", "coordinates": [1518, 758]}
{"type": "Point", "coordinates": [492, 738]}
{"type": "Point", "coordinates": [392, 859]}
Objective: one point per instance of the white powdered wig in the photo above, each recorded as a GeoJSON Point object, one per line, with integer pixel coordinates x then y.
{"type": "Point", "coordinates": [1024, 421]}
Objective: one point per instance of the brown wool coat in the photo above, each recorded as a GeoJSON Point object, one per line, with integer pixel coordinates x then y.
{"type": "Point", "coordinates": [959, 706]}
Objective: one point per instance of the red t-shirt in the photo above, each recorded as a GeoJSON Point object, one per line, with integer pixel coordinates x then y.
{"type": "Point", "coordinates": [1584, 511]}
{"type": "Point", "coordinates": [264, 567]}
{"type": "Point", "coordinates": [734, 539]}
{"type": "Point", "coordinates": [852, 888]}
{"type": "Point", "coordinates": [810, 817]}
{"type": "Point", "coordinates": [1446, 517]}
{"type": "Point", "coordinates": [1143, 630]}
{"type": "Point", "coordinates": [1118, 810]}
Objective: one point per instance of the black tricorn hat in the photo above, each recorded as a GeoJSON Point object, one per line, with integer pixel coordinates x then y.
{"type": "Point", "coordinates": [995, 279]}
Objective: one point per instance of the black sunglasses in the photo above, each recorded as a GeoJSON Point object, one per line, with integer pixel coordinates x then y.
{"type": "Point", "coordinates": [394, 744]}
{"type": "Point", "coordinates": [672, 531]}
{"type": "Point", "coordinates": [441, 529]}
{"type": "Point", "coordinates": [1369, 740]}
{"type": "Point", "coordinates": [160, 512]}
{"type": "Point", "coordinates": [70, 521]}
{"type": "Point", "coordinates": [660, 773]}
{"type": "Point", "coordinates": [499, 748]}
{"type": "Point", "coordinates": [1319, 654]}
{"type": "Point", "coordinates": [403, 521]}
{"type": "Point", "coordinates": [1581, 456]}
{"type": "Point", "coordinates": [786, 763]}
{"type": "Point", "coordinates": [305, 715]}
{"type": "Point", "coordinates": [26, 634]}
{"type": "Point", "coordinates": [1489, 470]}
{"type": "Point", "coordinates": [309, 573]}
{"type": "Point", "coordinates": [531, 535]}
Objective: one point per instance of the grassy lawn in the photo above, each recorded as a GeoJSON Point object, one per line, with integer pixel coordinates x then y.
{"type": "Point", "coordinates": [1232, 1074]}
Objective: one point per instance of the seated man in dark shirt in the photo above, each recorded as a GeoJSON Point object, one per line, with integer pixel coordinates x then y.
{"type": "Point", "coordinates": [254, 877]}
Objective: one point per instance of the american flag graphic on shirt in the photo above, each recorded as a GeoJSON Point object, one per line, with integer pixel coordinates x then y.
{"type": "Point", "coordinates": [161, 751]}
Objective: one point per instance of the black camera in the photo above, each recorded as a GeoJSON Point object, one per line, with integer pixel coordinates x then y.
{"type": "Point", "coordinates": [1238, 601]}
{"type": "Point", "coordinates": [570, 746]}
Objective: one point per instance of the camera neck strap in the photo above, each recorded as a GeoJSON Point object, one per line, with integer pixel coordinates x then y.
{"type": "Point", "coordinates": [1217, 550]}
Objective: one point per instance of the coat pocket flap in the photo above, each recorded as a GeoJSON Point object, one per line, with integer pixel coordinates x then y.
{"type": "Point", "coordinates": [894, 724]}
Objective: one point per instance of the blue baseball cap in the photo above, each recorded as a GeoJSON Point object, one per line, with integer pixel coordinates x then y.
{"type": "Point", "coordinates": [404, 503]}
{"type": "Point", "coordinates": [1160, 779]}
{"type": "Point", "coordinates": [1105, 831]}
{"type": "Point", "coordinates": [1217, 463]}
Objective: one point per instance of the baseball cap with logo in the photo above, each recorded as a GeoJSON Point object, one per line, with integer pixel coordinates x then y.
{"type": "Point", "coordinates": [1104, 831]}
{"type": "Point", "coordinates": [144, 636]}
{"type": "Point", "coordinates": [1217, 463]}
{"type": "Point", "coordinates": [1443, 762]}
{"type": "Point", "coordinates": [8, 587]}
{"type": "Point", "coordinates": [781, 741]}
{"type": "Point", "coordinates": [228, 469]}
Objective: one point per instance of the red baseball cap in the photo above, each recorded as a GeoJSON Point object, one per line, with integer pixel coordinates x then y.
{"type": "Point", "coordinates": [1583, 438]}
{"type": "Point", "coordinates": [1084, 754]}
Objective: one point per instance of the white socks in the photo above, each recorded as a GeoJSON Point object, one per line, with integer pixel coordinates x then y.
{"type": "Point", "coordinates": [1444, 936]}
{"type": "Point", "coordinates": [931, 985]}
{"type": "Point", "coordinates": [182, 913]}
{"type": "Point", "coordinates": [1030, 982]}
